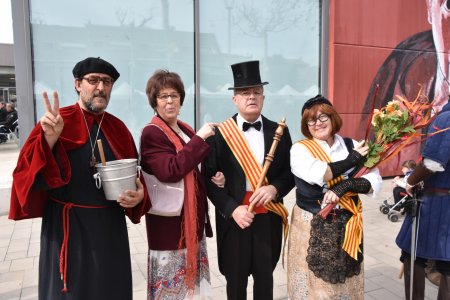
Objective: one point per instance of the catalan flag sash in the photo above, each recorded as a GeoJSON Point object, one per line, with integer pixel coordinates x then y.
{"type": "Point", "coordinates": [354, 226]}
{"type": "Point", "coordinates": [252, 169]}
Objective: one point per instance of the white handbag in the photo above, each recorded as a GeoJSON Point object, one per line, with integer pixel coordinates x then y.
{"type": "Point", "coordinates": [167, 198]}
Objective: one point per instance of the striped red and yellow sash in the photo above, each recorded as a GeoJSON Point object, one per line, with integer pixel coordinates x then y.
{"type": "Point", "coordinates": [354, 226]}
{"type": "Point", "coordinates": [238, 144]}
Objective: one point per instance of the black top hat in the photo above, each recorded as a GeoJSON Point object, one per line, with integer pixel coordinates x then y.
{"type": "Point", "coordinates": [246, 74]}
{"type": "Point", "coordinates": [94, 65]}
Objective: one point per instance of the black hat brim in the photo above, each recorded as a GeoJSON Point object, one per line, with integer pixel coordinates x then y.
{"type": "Point", "coordinates": [247, 86]}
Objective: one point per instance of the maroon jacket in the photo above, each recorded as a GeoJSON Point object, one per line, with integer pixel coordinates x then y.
{"type": "Point", "coordinates": [159, 157]}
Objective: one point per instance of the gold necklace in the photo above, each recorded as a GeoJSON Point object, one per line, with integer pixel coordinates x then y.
{"type": "Point", "coordinates": [93, 160]}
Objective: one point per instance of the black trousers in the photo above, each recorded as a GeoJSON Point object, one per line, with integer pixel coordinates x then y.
{"type": "Point", "coordinates": [398, 193]}
{"type": "Point", "coordinates": [252, 251]}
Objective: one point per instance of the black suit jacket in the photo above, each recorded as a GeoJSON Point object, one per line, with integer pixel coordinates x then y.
{"type": "Point", "coordinates": [227, 199]}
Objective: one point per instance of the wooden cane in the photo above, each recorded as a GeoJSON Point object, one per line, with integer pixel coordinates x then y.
{"type": "Point", "coordinates": [270, 156]}
{"type": "Point", "coordinates": [102, 153]}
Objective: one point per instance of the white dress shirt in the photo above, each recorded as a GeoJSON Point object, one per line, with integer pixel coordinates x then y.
{"type": "Point", "coordinates": [255, 140]}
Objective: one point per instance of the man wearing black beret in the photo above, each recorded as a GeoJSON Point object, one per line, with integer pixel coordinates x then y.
{"type": "Point", "coordinates": [54, 180]}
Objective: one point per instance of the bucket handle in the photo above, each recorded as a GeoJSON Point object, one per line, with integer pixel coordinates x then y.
{"type": "Point", "coordinates": [98, 180]}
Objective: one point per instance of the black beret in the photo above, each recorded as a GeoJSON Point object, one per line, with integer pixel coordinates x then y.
{"type": "Point", "coordinates": [94, 65]}
{"type": "Point", "coordinates": [319, 99]}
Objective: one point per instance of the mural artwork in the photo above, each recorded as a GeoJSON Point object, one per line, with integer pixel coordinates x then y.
{"type": "Point", "coordinates": [402, 47]}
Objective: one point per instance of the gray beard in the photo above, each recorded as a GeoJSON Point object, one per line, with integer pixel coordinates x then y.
{"type": "Point", "coordinates": [91, 108]}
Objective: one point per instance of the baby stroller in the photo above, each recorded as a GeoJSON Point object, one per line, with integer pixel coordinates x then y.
{"type": "Point", "coordinates": [393, 211]}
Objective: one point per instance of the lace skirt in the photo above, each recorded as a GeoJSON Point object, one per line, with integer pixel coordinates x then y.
{"type": "Point", "coordinates": [166, 270]}
{"type": "Point", "coordinates": [302, 283]}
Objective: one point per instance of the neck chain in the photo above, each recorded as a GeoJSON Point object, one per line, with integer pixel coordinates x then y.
{"type": "Point", "coordinates": [93, 160]}
{"type": "Point", "coordinates": [177, 129]}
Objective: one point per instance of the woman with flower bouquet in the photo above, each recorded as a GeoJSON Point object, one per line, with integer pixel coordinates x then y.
{"type": "Point", "coordinates": [433, 218]}
{"type": "Point", "coordinates": [325, 255]}
{"type": "Point", "coordinates": [397, 126]}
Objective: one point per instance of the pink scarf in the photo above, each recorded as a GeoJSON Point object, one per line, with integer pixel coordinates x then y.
{"type": "Point", "coordinates": [189, 223]}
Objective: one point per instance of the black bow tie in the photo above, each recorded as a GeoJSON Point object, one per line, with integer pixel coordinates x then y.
{"type": "Point", "coordinates": [256, 125]}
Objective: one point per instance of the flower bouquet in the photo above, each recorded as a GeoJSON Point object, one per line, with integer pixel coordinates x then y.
{"type": "Point", "coordinates": [395, 126]}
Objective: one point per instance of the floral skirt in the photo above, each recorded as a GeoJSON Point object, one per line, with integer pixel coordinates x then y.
{"type": "Point", "coordinates": [166, 275]}
{"type": "Point", "coordinates": [302, 283]}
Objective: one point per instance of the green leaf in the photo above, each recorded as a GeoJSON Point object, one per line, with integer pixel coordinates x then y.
{"type": "Point", "coordinates": [371, 161]}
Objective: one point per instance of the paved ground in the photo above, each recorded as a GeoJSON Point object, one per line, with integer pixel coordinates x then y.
{"type": "Point", "coordinates": [19, 250]}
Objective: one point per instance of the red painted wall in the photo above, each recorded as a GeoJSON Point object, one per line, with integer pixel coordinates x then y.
{"type": "Point", "coordinates": [362, 35]}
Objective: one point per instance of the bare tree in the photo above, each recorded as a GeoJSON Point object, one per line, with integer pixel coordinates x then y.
{"type": "Point", "coordinates": [257, 20]}
{"type": "Point", "coordinates": [127, 18]}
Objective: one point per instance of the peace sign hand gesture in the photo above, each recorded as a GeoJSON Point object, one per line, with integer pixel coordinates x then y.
{"type": "Point", "coordinates": [52, 123]}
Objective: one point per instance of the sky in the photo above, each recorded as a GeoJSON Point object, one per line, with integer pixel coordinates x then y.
{"type": "Point", "coordinates": [6, 31]}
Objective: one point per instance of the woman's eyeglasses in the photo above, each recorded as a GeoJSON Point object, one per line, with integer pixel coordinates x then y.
{"type": "Point", "coordinates": [322, 118]}
{"type": "Point", "coordinates": [165, 97]}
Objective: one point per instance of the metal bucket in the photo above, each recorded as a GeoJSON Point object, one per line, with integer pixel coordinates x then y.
{"type": "Point", "coordinates": [116, 177]}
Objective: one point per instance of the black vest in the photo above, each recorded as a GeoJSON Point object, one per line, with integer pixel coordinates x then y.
{"type": "Point", "coordinates": [309, 196]}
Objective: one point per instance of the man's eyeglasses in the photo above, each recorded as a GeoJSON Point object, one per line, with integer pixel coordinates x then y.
{"type": "Point", "coordinates": [165, 97]}
{"type": "Point", "coordinates": [248, 93]}
{"type": "Point", "coordinates": [94, 80]}
{"type": "Point", "coordinates": [322, 118]}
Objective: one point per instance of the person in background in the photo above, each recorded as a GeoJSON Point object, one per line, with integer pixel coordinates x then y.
{"type": "Point", "coordinates": [11, 116]}
{"type": "Point", "coordinates": [3, 111]}
{"type": "Point", "coordinates": [322, 264]}
{"type": "Point", "coordinates": [433, 226]}
{"type": "Point", "coordinates": [54, 180]}
{"type": "Point", "coordinates": [172, 151]}
{"type": "Point", "coordinates": [248, 243]}
{"type": "Point", "coordinates": [9, 124]}
{"type": "Point", "coordinates": [399, 191]}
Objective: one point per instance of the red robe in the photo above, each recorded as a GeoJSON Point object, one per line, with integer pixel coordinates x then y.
{"type": "Point", "coordinates": [96, 263]}
{"type": "Point", "coordinates": [36, 157]}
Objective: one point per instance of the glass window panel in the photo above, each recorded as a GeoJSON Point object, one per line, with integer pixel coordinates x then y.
{"type": "Point", "coordinates": [136, 36]}
{"type": "Point", "coordinates": [283, 35]}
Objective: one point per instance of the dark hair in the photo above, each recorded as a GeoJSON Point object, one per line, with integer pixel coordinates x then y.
{"type": "Point", "coordinates": [310, 113]}
{"type": "Point", "coordinates": [162, 79]}
{"type": "Point", "coordinates": [410, 164]}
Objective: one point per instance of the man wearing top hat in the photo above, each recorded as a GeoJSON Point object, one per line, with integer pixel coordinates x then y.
{"type": "Point", "coordinates": [249, 243]}
{"type": "Point", "coordinates": [84, 250]}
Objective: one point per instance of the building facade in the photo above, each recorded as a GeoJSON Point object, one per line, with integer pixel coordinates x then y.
{"type": "Point", "coordinates": [339, 48]}
{"type": "Point", "coordinates": [7, 73]}
{"type": "Point", "coordinates": [197, 39]}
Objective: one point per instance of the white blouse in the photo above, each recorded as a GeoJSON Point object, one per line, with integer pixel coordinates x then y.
{"type": "Point", "coordinates": [312, 170]}
{"type": "Point", "coordinates": [255, 140]}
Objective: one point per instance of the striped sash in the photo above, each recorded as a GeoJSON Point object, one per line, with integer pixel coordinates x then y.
{"type": "Point", "coordinates": [238, 144]}
{"type": "Point", "coordinates": [354, 226]}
